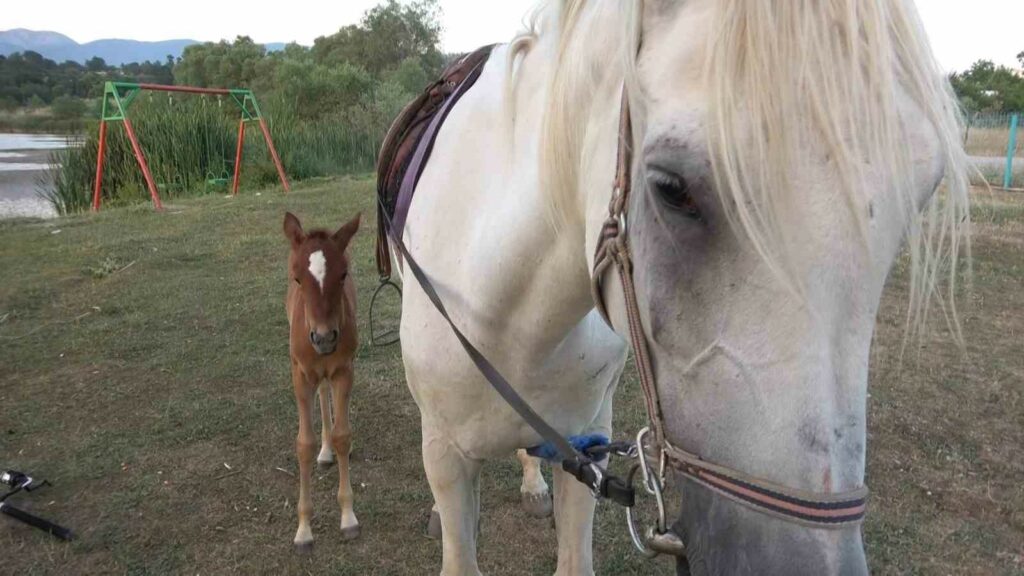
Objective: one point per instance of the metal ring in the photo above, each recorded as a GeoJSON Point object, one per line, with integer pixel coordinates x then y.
{"type": "Point", "coordinates": [634, 535]}
{"type": "Point", "coordinates": [653, 486]}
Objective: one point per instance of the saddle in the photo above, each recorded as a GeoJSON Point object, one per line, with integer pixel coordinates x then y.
{"type": "Point", "coordinates": [408, 144]}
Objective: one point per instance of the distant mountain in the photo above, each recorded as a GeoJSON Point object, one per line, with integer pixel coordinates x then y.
{"type": "Point", "coordinates": [115, 52]}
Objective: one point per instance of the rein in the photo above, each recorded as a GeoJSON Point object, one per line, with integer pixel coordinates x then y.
{"type": "Point", "coordinates": [814, 509]}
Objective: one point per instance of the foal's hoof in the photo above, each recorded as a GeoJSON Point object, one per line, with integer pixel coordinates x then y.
{"type": "Point", "coordinates": [324, 464]}
{"type": "Point", "coordinates": [304, 548]}
{"type": "Point", "coordinates": [351, 533]}
{"type": "Point", "coordinates": [434, 525]}
{"type": "Point", "coordinates": [537, 505]}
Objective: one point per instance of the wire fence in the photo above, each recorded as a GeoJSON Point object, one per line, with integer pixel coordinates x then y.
{"type": "Point", "coordinates": [994, 142]}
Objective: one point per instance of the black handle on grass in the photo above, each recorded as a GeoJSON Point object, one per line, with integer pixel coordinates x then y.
{"type": "Point", "coordinates": [44, 525]}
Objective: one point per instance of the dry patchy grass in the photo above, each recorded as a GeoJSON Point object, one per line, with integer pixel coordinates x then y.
{"type": "Point", "coordinates": [140, 352]}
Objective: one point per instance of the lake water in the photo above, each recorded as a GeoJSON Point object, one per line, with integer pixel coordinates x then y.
{"type": "Point", "coordinates": [24, 160]}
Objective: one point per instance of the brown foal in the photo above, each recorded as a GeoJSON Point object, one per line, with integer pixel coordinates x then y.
{"type": "Point", "coordinates": [321, 306]}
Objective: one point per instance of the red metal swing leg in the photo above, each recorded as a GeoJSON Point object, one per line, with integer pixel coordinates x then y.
{"type": "Point", "coordinates": [142, 164]}
{"type": "Point", "coordinates": [238, 157]}
{"type": "Point", "coordinates": [273, 154]}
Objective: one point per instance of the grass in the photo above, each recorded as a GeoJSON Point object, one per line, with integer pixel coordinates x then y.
{"type": "Point", "coordinates": [992, 142]}
{"type": "Point", "coordinates": [143, 352]}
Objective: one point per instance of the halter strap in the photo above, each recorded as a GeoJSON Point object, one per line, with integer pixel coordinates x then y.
{"type": "Point", "coordinates": [816, 509]}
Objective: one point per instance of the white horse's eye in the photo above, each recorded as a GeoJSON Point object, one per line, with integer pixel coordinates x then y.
{"type": "Point", "coordinates": [674, 191]}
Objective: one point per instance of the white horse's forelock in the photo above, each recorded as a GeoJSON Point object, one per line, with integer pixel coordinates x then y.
{"type": "Point", "coordinates": [776, 70]}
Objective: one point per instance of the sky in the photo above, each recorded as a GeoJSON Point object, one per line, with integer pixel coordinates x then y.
{"type": "Point", "coordinates": [961, 31]}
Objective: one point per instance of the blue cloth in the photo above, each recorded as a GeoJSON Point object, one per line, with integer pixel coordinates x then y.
{"type": "Point", "coordinates": [547, 450]}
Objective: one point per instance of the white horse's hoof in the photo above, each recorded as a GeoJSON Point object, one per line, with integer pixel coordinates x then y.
{"type": "Point", "coordinates": [351, 533]}
{"type": "Point", "coordinates": [325, 460]}
{"type": "Point", "coordinates": [537, 505]}
{"type": "Point", "coordinates": [434, 525]}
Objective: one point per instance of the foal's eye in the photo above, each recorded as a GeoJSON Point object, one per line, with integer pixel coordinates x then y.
{"type": "Point", "coordinates": [675, 192]}
{"type": "Point", "coordinates": [344, 275]}
{"type": "Point", "coordinates": [297, 281]}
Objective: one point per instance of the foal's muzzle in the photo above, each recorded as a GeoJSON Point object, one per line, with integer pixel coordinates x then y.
{"type": "Point", "coordinates": [324, 342]}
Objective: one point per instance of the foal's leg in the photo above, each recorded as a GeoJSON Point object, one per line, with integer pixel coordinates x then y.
{"type": "Point", "coordinates": [305, 448]}
{"type": "Point", "coordinates": [536, 497]}
{"type": "Point", "coordinates": [455, 482]}
{"type": "Point", "coordinates": [341, 438]}
{"type": "Point", "coordinates": [326, 456]}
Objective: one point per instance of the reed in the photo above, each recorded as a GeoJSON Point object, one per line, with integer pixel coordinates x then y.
{"type": "Point", "coordinates": [189, 144]}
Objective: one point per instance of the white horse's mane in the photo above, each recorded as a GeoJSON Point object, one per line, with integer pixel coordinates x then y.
{"type": "Point", "coordinates": [776, 70]}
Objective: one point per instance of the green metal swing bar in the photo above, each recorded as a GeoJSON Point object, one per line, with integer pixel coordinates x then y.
{"type": "Point", "coordinates": [118, 96]}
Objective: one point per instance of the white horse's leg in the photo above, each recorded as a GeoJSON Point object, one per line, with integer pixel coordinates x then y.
{"type": "Point", "coordinates": [574, 524]}
{"type": "Point", "coordinates": [574, 507]}
{"type": "Point", "coordinates": [455, 482]}
{"type": "Point", "coordinates": [326, 456]}
{"type": "Point", "coordinates": [536, 497]}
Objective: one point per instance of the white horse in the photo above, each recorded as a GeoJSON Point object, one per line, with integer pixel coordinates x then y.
{"type": "Point", "coordinates": [783, 152]}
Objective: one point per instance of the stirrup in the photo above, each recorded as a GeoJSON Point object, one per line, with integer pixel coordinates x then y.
{"type": "Point", "coordinates": [390, 336]}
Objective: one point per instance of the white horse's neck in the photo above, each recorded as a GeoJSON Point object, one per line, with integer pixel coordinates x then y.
{"type": "Point", "coordinates": [519, 277]}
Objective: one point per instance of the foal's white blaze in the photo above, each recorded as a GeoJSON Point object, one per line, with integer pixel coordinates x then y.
{"type": "Point", "coordinates": [318, 267]}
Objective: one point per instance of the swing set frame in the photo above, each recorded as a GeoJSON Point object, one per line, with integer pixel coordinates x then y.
{"type": "Point", "coordinates": [118, 96]}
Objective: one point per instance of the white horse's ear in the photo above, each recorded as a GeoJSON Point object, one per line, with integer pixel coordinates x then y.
{"type": "Point", "coordinates": [344, 234]}
{"type": "Point", "coordinates": [293, 229]}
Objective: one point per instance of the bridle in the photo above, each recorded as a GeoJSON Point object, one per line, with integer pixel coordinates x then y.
{"type": "Point", "coordinates": [814, 509]}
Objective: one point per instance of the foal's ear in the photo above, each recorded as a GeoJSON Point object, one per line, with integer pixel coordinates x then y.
{"type": "Point", "coordinates": [293, 229]}
{"type": "Point", "coordinates": [344, 234]}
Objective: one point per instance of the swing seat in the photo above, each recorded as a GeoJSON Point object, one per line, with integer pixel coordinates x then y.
{"type": "Point", "coordinates": [213, 180]}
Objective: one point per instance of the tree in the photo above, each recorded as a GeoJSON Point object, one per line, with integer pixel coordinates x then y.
{"type": "Point", "coordinates": [95, 64]}
{"type": "Point", "coordinates": [68, 108]}
{"type": "Point", "coordinates": [411, 76]}
{"type": "Point", "coordinates": [389, 34]}
{"type": "Point", "coordinates": [989, 88]}
{"type": "Point", "coordinates": [220, 64]}
{"type": "Point", "coordinates": [313, 90]}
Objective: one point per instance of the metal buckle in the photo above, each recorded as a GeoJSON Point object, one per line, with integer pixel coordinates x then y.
{"type": "Point", "coordinates": [595, 488]}
{"type": "Point", "coordinates": [649, 479]}
{"type": "Point", "coordinates": [653, 485]}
